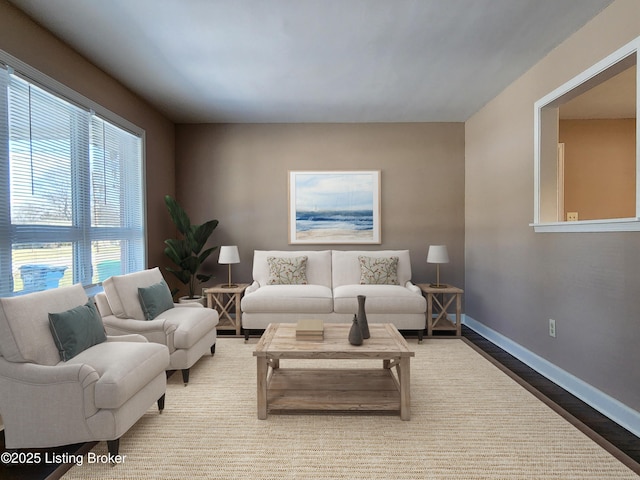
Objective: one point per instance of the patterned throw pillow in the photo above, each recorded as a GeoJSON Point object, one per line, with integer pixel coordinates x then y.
{"type": "Point", "coordinates": [287, 271]}
{"type": "Point", "coordinates": [378, 270]}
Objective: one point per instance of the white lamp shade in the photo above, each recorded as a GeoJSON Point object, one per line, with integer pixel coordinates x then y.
{"type": "Point", "coordinates": [229, 254]}
{"type": "Point", "coordinates": [438, 254]}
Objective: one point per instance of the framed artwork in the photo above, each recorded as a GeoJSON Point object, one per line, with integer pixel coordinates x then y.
{"type": "Point", "coordinates": [334, 207]}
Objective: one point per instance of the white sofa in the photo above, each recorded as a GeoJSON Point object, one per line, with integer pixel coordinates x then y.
{"type": "Point", "coordinates": [333, 284]}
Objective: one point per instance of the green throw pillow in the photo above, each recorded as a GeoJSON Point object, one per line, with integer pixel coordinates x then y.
{"type": "Point", "coordinates": [287, 271]}
{"type": "Point", "coordinates": [155, 299]}
{"type": "Point", "coordinates": [378, 270]}
{"type": "Point", "coordinates": [76, 330]}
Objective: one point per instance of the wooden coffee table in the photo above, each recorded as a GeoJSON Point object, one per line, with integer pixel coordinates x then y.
{"type": "Point", "coordinates": [341, 389]}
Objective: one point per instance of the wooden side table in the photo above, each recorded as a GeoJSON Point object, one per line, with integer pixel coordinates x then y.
{"type": "Point", "coordinates": [223, 299]}
{"type": "Point", "coordinates": [439, 301]}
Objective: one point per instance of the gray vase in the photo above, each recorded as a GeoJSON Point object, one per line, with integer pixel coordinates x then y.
{"type": "Point", "coordinates": [362, 317]}
{"type": "Point", "coordinates": [355, 334]}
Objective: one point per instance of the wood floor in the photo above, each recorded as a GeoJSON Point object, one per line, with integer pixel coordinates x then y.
{"type": "Point", "coordinates": [612, 433]}
{"type": "Point", "coordinates": [601, 425]}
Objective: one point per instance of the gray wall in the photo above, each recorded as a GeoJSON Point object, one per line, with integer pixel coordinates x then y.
{"type": "Point", "coordinates": [517, 279]}
{"type": "Point", "coordinates": [238, 174]}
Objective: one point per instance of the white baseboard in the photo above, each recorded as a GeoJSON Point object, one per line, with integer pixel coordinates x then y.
{"type": "Point", "coordinates": [605, 404]}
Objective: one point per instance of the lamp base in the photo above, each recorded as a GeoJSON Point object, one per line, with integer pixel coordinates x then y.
{"type": "Point", "coordinates": [229, 285]}
{"type": "Point", "coordinates": [438, 285]}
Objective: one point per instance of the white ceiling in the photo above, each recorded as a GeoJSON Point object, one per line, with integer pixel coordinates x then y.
{"type": "Point", "coordinates": [202, 61]}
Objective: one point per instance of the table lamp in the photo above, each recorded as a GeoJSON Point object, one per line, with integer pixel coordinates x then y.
{"type": "Point", "coordinates": [438, 254]}
{"type": "Point", "coordinates": [229, 255]}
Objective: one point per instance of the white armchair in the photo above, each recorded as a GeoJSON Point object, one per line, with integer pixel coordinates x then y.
{"type": "Point", "coordinates": [95, 395]}
{"type": "Point", "coordinates": [188, 330]}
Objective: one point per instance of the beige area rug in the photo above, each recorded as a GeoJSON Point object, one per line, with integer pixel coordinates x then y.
{"type": "Point", "coordinates": [469, 421]}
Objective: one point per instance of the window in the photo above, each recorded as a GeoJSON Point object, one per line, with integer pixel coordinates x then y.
{"type": "Point", "coordinates": [586, 150]}
{"type": "Point", "coordinates": [71, 189]}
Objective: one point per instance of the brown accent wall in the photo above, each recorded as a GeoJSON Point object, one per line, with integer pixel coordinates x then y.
{"type": "Point", "coordinates": [600, 167]}
{"type": "Point", "coordinates": [25, 40]}
{"type": "Point", "coordinates": [238, 174]}
{"type": "Point", "coordinates": [517, 279]}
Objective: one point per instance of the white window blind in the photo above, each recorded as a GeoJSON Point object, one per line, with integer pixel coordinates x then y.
{"type": "Point", "coordinates": [71, 192]}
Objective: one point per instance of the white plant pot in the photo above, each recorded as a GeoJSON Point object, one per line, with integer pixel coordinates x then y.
{"type": "Point", "coordinates": [200, 300]}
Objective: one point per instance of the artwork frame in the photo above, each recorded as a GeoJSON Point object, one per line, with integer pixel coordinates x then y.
{"type": "Point", "coordinates": [334, 207]}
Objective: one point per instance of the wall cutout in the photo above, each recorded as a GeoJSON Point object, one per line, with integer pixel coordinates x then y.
{"type": "Point", "coordinates": [586, 150]}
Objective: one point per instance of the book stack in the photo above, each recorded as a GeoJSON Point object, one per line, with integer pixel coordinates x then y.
{"type": "Point", "coordinates": [310, 329]}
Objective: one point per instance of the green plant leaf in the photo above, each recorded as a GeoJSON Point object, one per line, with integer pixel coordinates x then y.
{"type": "Point", "coordinates": [178, 215]}
{"type": "Point", "coordinates": [204, 278]}
{"type": "Point", "coordinates": [201, 233]}
{"type": "Point", "coordinates": [186, 252]}
{"type": "Point", "coordinates": [204, 255]}
{"type": "Point", "coordinates": [182, 275]}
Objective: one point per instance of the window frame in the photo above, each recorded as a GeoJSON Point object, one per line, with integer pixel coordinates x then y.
{"type": "Point", "coordinates": [577, 84]}
{"type": "Point", "coordinates": [11, 234]}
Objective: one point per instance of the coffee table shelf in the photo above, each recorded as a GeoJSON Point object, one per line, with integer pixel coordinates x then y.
{"type": "Point", "coordinates": [309, 390]}
{"type": "Point", "coordinates": [385, 389]}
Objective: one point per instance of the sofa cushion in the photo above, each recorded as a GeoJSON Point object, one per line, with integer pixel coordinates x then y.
{"type": "Point", "coordinates": [380, 299]}
{"type": "Point", "coordinates": [124, 369]}
{"type": "Point", "coordinates": [25, 335]}
{"type": "Point", "coordinates": [378, 271]}
{"type": "Point", "coordinates": [346, 265]}
{"type": "Point", "coordinates": [76, 329]}
{"type": "Point", "coordinates": [289, 298]}
{"type": "Point", "coordinates": [155, 299]}
{"type": "Point", "coordinates": [191, 324]}
{"type": "Point", "coordinates": [318, 265]}
{"type": "Point", "coordinates": [287, 271]}
{"type": "Point", "coordinates": [122, 292]}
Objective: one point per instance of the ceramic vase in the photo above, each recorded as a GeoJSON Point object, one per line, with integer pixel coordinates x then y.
{"type": "Point", "coordinates": [355, 334]}
{"type": "Point", "coordinates": [362, 317]}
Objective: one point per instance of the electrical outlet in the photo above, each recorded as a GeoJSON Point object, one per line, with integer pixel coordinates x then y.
{"type": "Point", "coordinates": [552, 328]}
{"type": "Point", "coordinates": [572, 216]}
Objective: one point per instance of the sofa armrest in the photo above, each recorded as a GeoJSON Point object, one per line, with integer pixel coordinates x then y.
{"type": "Point", "coordinates": [414, 288]}
{"type": "Point", "coordinates": [102, 304]}
{"type": "Point", "coordinates": [252, 288]}
{"type": "Point", "coordinates": [132, 337]}
{"type": "Point", "coordinates": [40, 375]}
{"type": "Point", "coordinates": [26, 393]}
{"type": "Point", "coordinates": [156, 331]}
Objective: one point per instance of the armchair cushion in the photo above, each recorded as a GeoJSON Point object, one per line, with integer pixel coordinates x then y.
{"type": "Point", "coordinates": [191, 324]}
{"type": "Point", "coordinates": [76, 329]}
{"type": "Point", "coordinates": [155, 299]}
{"type": "Point", "coordinates": [122, 292]}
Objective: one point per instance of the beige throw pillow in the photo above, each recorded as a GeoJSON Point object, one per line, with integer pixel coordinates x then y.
{"type": "Point", "coordinates": [378, 270]}
{"type": "Point", "coordinates": [287, 271]}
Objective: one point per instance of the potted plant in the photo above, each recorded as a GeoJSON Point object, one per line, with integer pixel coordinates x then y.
{"type": "Point", "coordinates": [187, 251]}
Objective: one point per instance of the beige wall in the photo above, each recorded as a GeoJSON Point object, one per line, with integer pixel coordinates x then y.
{"type": "Point", "coordinates": [238, 174]}
{"type": "Point", "coordinates": [516, 279]}
{"type": "Point", "coordinates": [600, 167]}
{"type": "Point", "coordinates": [25, 40]}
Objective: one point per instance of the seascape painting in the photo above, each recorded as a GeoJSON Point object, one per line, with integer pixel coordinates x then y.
{"type": "Point", "coordinates": [334, 207]}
